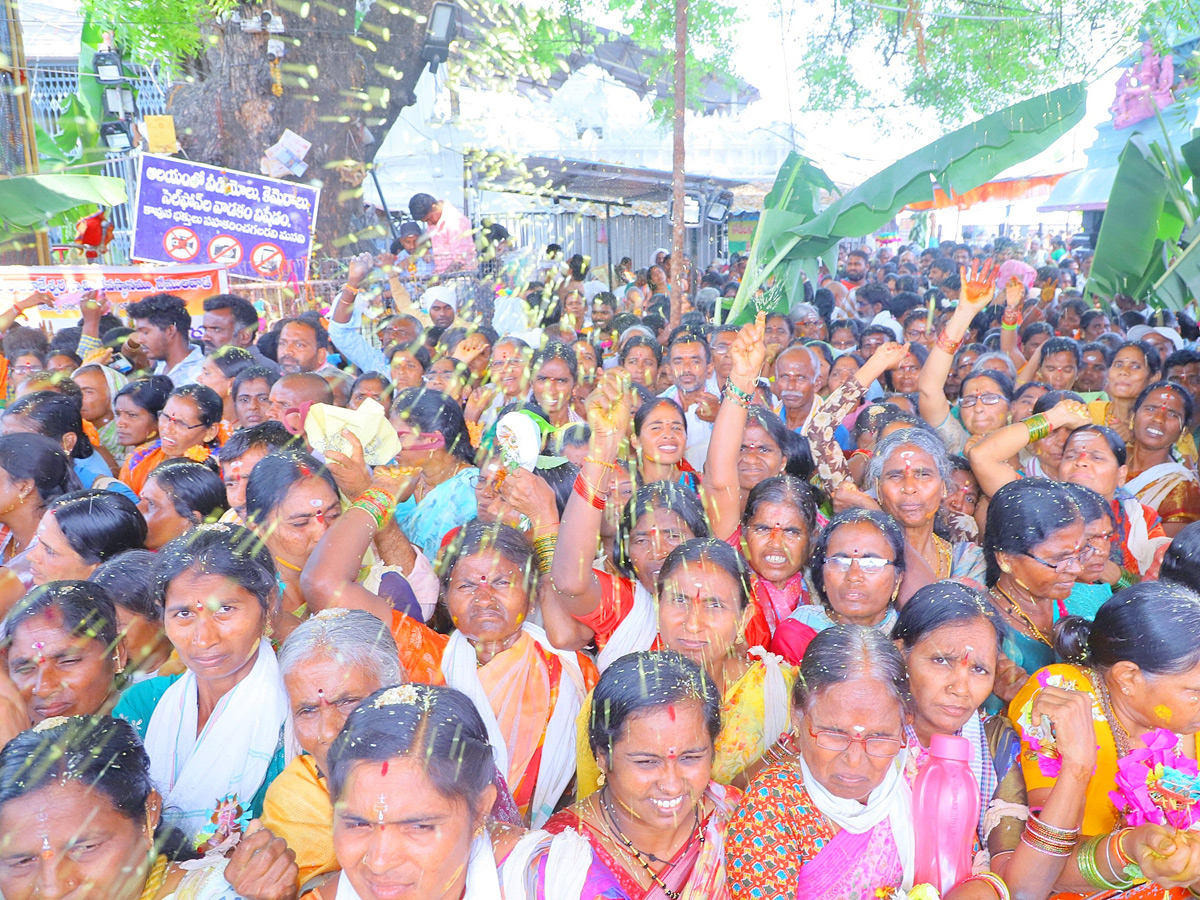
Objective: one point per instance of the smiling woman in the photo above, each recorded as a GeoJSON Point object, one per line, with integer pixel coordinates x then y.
{"type": "Point", "coordinates": [219, 591]}
{"type": "Point", "coordinates": [658, 821]}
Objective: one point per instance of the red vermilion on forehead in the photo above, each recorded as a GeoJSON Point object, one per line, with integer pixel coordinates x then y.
{"type": "Point", "coordinates": [383, 769]}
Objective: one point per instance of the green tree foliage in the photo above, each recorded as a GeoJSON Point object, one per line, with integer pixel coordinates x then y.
{"type": "Point", "coordinates": [960, 58]}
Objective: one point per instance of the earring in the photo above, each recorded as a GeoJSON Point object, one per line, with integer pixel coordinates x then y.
{"type": "Point", "coordinates": [1006, 568]}
{"type": "Point", "coordinates": [269, 630]}
{"type": "Point", "coordinates": [117, 662]}
{"type": "Point", "coordinates": [601, 779]}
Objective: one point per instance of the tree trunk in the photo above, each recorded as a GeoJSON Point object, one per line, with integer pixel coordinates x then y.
{"type": "Point", "coordinates": [677, 172]}
{"type": "Point", "coordinates": [334, 86]}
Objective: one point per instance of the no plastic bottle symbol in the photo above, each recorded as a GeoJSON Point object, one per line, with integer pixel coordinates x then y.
{"type": "Point", "coordinates": [181, 243]}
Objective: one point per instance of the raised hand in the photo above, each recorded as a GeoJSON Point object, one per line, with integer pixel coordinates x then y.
{"type": "Point", "coordinates": [610, 406]}
{"type": "Point", "coordinates": [890, 355]}
{"type": "Point", "coordinates": [360, 268]}
{"type": "Point", "coordinates": [748, 351]}
{"type": "Point", "coordinates": [349, 470]}
{"type": "Point", "coordinates": [470, 347]}
{"type": "Point", "coordinates": [1069, 414]}
{"type": "Point", "coordinates": [1049, 288]}
{"type": "Point", "coordinates": [1014, 293]}
{"type": "Point", "coordinates": [979, 284]}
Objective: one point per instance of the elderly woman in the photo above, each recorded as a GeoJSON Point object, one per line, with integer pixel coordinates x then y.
{"type": "Point", "coordinates": [835, 820]}
{"type": "Point", "coordinates": [857, 566]}
{"type": "Point", "coordinates": [527, 691]}
{"type": "Point", "coordinates": [80, 817]}
{"type": "Point", "coordinates": [330, 664]}
{"type": "Point", "coordinates": [417, 758]}
{"type": "Point", "coordinates": [911, 475]}
{"type": "Point", "coordinates": [658, 820]}
{"type": "Point", "coordinates": [1137, 665]}
{"type": "Point", "coordinates": [221, 732]}
{"type": "Point", "coordinates": [100, 386]}
{"type": "Point", "coordinates": [82, 529]}
{"type": "Point", "coordinates": [62, 650]}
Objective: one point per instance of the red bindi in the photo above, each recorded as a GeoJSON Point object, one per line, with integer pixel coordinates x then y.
{"type": "Point", "coordinates": [671, 711]}
{"type": "Point", "coordinates": [383, 769]}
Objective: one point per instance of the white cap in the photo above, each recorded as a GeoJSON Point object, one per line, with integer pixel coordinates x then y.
{"type": "Point", "coordinates": [439, 293]}
{"type": "Point", "coordinates": [1171, 335]}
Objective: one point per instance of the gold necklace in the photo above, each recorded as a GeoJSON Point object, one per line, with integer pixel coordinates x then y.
{"type": "Point", "coordinates": [1121, 735]}
{"type": "Point", "coordinates": [288, 565]}
{"type": "Point", "coordinates": [609, 819]}
{"type": "Point", "coordinates": [1018, 613]}
{"type": "Point", "coordinates": [945, 556]}
{"type": "Point", "coordinates": [156, 879]}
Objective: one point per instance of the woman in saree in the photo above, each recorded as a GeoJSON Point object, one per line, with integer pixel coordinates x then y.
{"type": "Point", "coordinates": [1095, 457]}
{"type": "Point", "coordinates": [412, 784]}
{"type": "Point", "coordinates": [433, 439]}
{"type": "Point", "coordinates": [527, 690]}
{"type": "Point", "coordinates": [1137, 666]}
{"type": "Point", "coordinates": [82, 529]}
{"type": "Point", "coordinates": [834, 820]}
{"type": "Point", "coordinates": [330, 664]}
{"type": "Point", "coordinates": [984, 398]}
{"type": "Point", "coordinates": [100, 386]}
{"type": "Point", "coordinates": [291, 501]}
{"type": "Point", "coordinates": [221, 732]}
{"type": "Point", "coordinates": [1035, 548]}
{"type": "Point", "coordinates": [658, 820]}
{"type": "Point", "coordinates": [62, 651]}
{"type": "Point", "coordinates": [857, 567]}
{"type": "Point", "coordinates": [583, 604]}
{"type": "Point", "coordinates": [1135, 365]}
{"type": "Point", "coordinates": [80, 817]}
{"type": "Point", "coordinates": [57, 416]}
{"type": "Point", "coordinates": [34, 471]}
{"type": "Point", "coordinates": [555, 372]}
{"type": "Point", "coordinates": [950, 639]}
{"type": "Point", "coordinates": [188, 426]}
{"type": "Point", "coordinates": [135, 412]}
{"type": "Point", "coordinates": [1056, 414]}
{"type": "Point", "coordinates": [659, 440]}
{"type": "Point", "coordinates": [703, 609]}
{"type": "Point", "coordinates": [776, 533]}
{"type": "Point", "coordinates": [1160, 415]}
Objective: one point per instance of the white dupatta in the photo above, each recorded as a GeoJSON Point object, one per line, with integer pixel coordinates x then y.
{"type": "Point", "coordinates": [568, 859]}
{"type": "Point", "coordinates": [483, 878]}
{"type": "Point", "coordinates": [1150, 494]}
{"type": "Point", "coordinates": [194, 772]}
{"type": "Point", "coordinates": [460, 668]}
{"type": "Point", "coordinates": [1138, 540]}
{"type": "Point", "coordinates": [892, 800]}
{"type": "Point", "coordinates": [777, 707]}
{"type": "Point", "coordinates": [636, 631]}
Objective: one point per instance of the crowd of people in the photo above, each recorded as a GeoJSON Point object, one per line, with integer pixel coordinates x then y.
{"type": "Point", "coordinates": [614, 600]}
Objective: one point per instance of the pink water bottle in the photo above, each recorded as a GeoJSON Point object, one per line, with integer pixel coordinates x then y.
{"type": "Point", "coordinates": [945, 800]}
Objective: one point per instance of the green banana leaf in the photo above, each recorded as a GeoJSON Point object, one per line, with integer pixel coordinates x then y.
{"type": "Point", "coordinates": [1181, 282]}
{"type": "Point", "coordinates": [28, 201]}
{"type": "Point", "coordinates": [1136, 224]}
{"type": "Point", "coordinates": [957, 162]}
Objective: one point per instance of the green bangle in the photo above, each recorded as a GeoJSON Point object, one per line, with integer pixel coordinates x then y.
{"type": "Point", "coordinates": [737, 391]}
{"type": "Point", "coordinates": [1127, 578]}
{"type": "Point", "coordinates": [1085, 859]}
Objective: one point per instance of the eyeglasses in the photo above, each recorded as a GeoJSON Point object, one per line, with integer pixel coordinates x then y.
{"type": "Point", "coordinates": [986, 399]}
{"type": "Point", "coordinates": [840, 742]}
{"type": "Point", "coordinates": [164, 418]}
{"type": "Point", "coordinates": [870, 565]}
{"type": "Point", "coordinates": [1061, 566]}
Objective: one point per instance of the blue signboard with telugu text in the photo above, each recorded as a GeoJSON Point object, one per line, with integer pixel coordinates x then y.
{"type": "Point", "coordinates": [188, 212]}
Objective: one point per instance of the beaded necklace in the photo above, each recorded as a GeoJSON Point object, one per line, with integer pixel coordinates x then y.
{"type": "Point", "coordinates": [644, 859]}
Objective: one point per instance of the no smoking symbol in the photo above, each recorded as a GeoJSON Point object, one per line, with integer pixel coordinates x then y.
{"type": "Point", "coordinates": [181, 243]}
{"type": "Point", "coordinates": [225, 250]}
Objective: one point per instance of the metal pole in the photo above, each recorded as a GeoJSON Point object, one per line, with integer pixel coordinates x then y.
{"type": "Point", "coordinates": [677, 170]}
{"type": "Point", "coordinates": [383, 202]}
{"type": "Point", "coordinates": [608, 243]}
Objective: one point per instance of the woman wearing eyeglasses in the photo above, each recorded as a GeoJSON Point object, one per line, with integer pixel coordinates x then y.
{"type": "Point", "coordinates": [188, 426]}
{"type": "Point", "coordinates": [1035, 549]}
{"type": "Point", "coordinates": [857, 564]}
{"type": "Point", "coordinates": [835, 820]}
